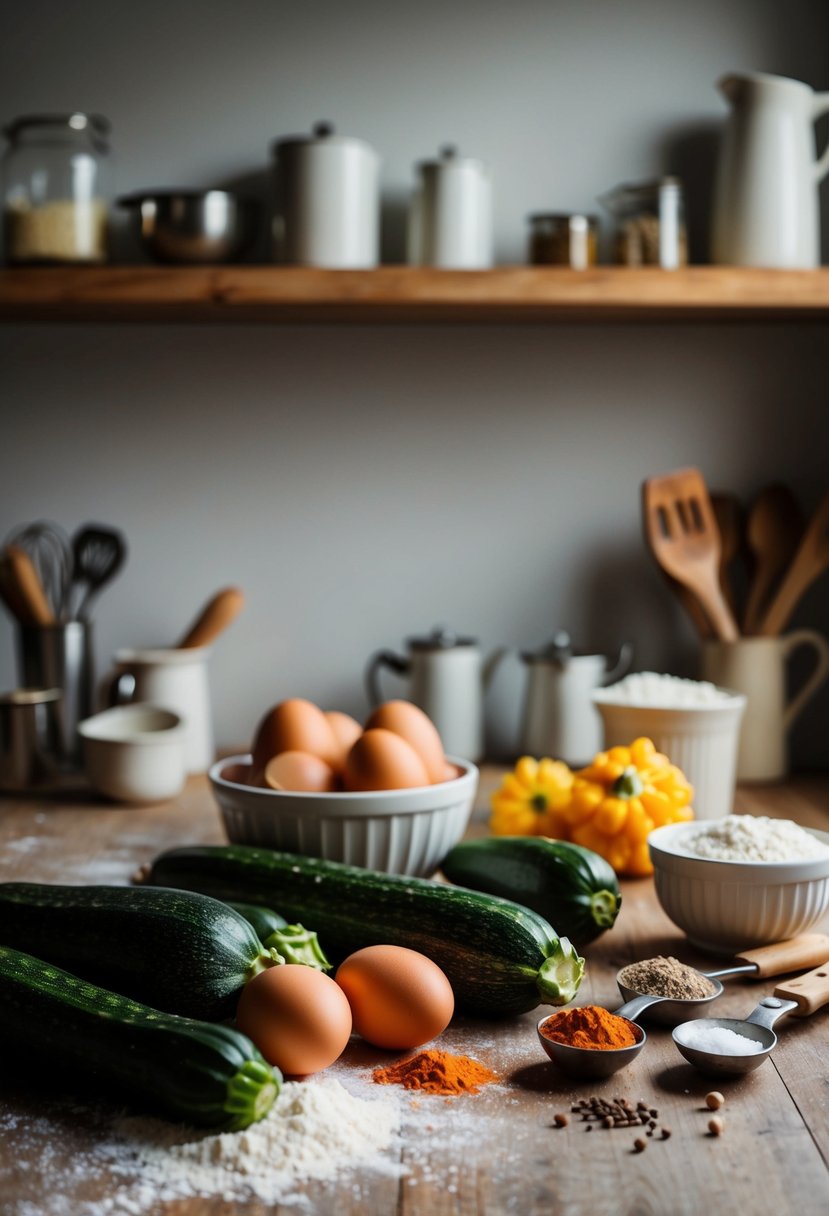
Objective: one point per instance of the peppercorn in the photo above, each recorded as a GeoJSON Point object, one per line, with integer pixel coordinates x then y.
{"type": "Point", "coordinates": [561, 1120]}
{"type": "Point", "coordinates": [639, 1146]}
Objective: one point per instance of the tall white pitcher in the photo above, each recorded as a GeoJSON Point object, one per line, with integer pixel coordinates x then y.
{"type": "Point", "coordinates": [766, 196]}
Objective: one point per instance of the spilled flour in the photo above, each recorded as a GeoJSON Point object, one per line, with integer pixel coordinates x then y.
{"type": "Point", "coordinates": [315, 1129]}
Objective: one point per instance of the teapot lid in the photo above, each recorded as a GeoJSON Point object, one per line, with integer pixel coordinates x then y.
{"type": "Point", "coordinates": [440, 639]}
{"type": "Point", "coordinates": [558, 650]}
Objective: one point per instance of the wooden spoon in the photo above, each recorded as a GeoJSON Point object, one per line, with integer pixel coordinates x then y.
{"type": "Point", "coordinates": [682, 533]}
{"type": "Point", "coordinates": [214, 618]}
{"type": "Point", "coordinates": [810, 561]}
{"type": "Point", "coordinates": [774, 529]}
{"type": "Point", "coordinates": [25, 587]}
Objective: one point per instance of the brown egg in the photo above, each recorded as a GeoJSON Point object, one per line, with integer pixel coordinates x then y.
{"type": "Point", "coordinates": [300, 771]}
{"type": "Point", "coordinates": [298, 1017]}
{"type": "Point", "coordinates": [346, 731]}
{"type": "Point", "coordinates": [416, 728]}
{"type": "Point", "coordinates": [381, 760]}
{"type": "Point", "coordinates": [451, 772]}
{"type": "Point", "coordinates": [292, 726]}
{"type": "Point", "coordinates": [399, 998]}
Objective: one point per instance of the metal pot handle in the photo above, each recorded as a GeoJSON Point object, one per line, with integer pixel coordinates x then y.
{"type": "Point", "coordinates": [383, 658]}
{"type": "Point", "coordinates": [622, 664]}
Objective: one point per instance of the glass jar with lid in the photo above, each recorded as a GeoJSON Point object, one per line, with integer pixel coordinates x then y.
{"type": "Point", "coordinates": [56, 188]}
{"type": "Point", "coordinates": [650, 223]}
{"type": "Point", "coordinates": [564, 239]}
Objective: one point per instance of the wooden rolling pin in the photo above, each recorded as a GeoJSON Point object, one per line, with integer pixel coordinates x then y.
{"type": "Point", "coordinates": [811, 991]}
{"type": "Point", "coordinates": [25, 590]}
{"type": "Point", "coordinates": [214, 618]}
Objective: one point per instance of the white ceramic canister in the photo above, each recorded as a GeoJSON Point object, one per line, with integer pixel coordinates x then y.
{"type": "Point", "coordinates": [327, 201]}
{"type": "Point", "coordinates": [450, 221]}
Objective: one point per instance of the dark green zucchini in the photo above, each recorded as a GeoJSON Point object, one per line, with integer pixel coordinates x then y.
{"type": "Point", "coordinates": [499, 957]}
{"type": "Point", "coordinates": [174, 950]}
{"type": "Point", "coordinates": [211, 1076]}
{"type": "Point", "coordinates": [294, 943]}
{"type": "Point", "coordinates": [572, 887]}
{"type": "Point", "coordinates": [263, 921]}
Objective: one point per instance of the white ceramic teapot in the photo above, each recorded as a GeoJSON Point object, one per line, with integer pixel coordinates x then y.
{"type": "Point", "coordinates": [447, 677]}
{"type": "Point", "coordinates": [766, 195]}
{"type": "Point", "coordinates": [559, 718]}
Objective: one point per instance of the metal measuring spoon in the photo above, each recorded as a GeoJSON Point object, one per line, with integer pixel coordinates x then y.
{"type": "Point", "coordinates": [806, 950]}
{"type": "Point", "coordinates": [806, 994]}
{"type": "Point", "coordinates": [596, 1061]}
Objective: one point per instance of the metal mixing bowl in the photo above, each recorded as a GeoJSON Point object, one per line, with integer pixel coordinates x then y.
{"type": "Point", "coordinates": [194, 226]}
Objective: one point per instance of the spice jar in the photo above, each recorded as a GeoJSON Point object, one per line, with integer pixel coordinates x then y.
{"type": "Point", "coordinates": [650, 223]}
{"type": "Point", "coordinates": [564, 239]}
{"type": "Point", "coordinates": [55, 189]}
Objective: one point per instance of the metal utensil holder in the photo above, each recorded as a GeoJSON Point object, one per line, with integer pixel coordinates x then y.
{"type": "Point", "coordinates": [61, 656]}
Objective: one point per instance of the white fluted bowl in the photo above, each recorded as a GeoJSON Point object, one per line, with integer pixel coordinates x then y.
{"type": "Point", "coordinates": [395, 831]}
{"type": "Point", "coordinates": [729, 906]}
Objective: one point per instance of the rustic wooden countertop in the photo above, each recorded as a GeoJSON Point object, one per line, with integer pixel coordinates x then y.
{"type": "Point", "coordinates": [494, 1152]}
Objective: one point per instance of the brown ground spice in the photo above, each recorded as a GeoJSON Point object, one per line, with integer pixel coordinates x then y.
{"type": "Point", "coordinates": [437, 1072]}
{"type": "Point", "coordinates": [662, 976]}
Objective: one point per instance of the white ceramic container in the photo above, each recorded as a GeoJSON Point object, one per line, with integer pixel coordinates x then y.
{"type": "Point", "coordinates": [729, 906]}
{"type": "Point", "coordinates": [757, 667]}
{"type": "Point", "coordinates": [450, 219]}
{"type": "Point", "coordinates": [395, 831]}
{"type": "Point", "coordinates": [327, 201]}
{"type": "Point", "coordinates": [177, 680]}
{"type": "Point", "coordinates": [766, 195]}
{"type": "Point", "coordinates": [135, 753]}
{"type": "Point", "coordinates": [701, 740]}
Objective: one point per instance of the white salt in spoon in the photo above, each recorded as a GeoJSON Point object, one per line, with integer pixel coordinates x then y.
{"type": "Point", "coordinates": [806, 994]}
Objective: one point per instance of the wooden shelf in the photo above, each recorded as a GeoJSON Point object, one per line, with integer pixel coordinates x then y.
{"type": "Point", "coordinates": [400, 294]}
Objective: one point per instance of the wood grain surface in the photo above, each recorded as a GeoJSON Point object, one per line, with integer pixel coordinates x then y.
{"type": "Point", "coordinates": [392, 294]}
{"type": "Point", "coordinates": [491, 1153]}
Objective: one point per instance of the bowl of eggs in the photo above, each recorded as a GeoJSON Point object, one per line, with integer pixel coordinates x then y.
{"type": "Point", "coordinates": [382, 796]}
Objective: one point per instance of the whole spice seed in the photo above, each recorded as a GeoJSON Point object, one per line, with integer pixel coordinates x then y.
{"type": "Point", "coordinates": [639, 1146]}
{"type": "Point", "coordinates": [714, 1100]}
{"type": "Point", "coordinates": [561, 1120]}
{"type": "Point", "coordinates": [716, 1126]}
{"type": "Point", "coordinates": [663, 976]}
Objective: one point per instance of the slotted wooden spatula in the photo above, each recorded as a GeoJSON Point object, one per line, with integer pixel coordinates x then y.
{"type": "Point", "coordinates": [683, 536]}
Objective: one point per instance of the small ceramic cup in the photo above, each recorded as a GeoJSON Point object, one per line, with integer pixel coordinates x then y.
{"type": "Point", "coordinates": [135, 753]}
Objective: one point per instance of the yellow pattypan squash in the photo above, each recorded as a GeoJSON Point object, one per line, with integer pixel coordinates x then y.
{"type": "Point", "coordinates": [530, 799]}
{"type": "Point", "coordinates": [610, 806]}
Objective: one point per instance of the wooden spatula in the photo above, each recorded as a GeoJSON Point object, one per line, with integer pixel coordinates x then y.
{"type": "Point", "coordinates": [682, 533]}
{"type": "Point", "coordinates": [729, 516]}
{"type": "Point", "coordinates": [810, 561]}
{"type": "Point", "coordinates": [774, 529]}
{"type": "Point", "coordinates": [214, 618]}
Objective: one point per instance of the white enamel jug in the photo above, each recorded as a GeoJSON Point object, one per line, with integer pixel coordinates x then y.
{"type": "Point", "coordinates": [766, 195]}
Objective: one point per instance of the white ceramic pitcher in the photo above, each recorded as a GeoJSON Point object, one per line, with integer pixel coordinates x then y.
{"type": "Point", "coordinates": [757, 668]}
{"type": "Point", "coordinates": [174, 679]}
{"type": "Point", "coordinates": [766, 195]}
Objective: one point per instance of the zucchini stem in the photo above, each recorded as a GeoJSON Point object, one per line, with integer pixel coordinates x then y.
{"type": "Point", "coordinates": [295, 944]}
{"type": "Point", "coordinates": [251, 1092]}
{"type": "Point", "coordinates": [604, 907]}
{"type": "Point", "coordinates": [560, 975]}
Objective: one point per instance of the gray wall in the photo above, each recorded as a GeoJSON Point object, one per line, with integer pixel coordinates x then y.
{"type": "Point", "coordinates": [363, 484]}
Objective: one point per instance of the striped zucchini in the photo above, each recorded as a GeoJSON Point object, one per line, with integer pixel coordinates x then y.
{"type": "Point", "coordinates": [500, 957]}
{"type": "Point", "coordinates": [175, 950]}
{"type": "Point", "coordinates": [211, 1076]}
